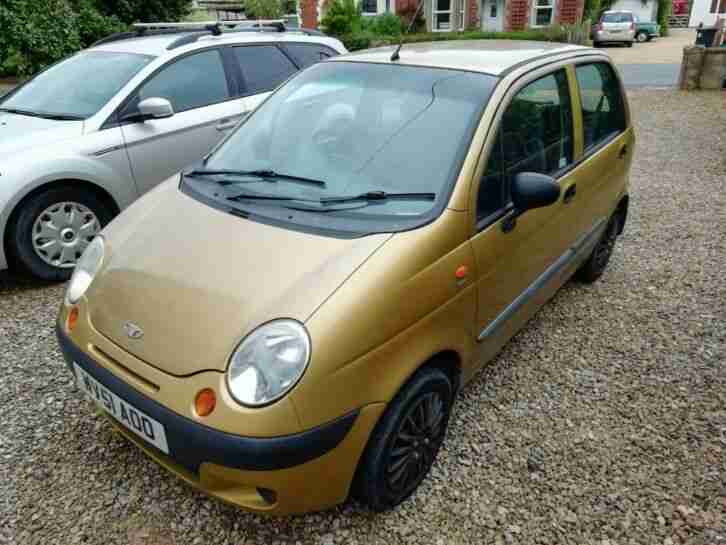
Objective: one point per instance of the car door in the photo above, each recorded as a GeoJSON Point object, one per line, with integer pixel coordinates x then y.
{"type": "Point", "coordinates": [519, 263]}
{"type": "Point", "coordinates": [263, 67]}
{"type": "Point", "coordinates": [607, 141]}
{"type": "Point", "coordinates": [205, 109]}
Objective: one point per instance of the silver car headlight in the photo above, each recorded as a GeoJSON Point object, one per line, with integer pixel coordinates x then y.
{"type": "Point", "coordinates": [85, 270]}
{"type": "Point", "coordinates": [268, 362]}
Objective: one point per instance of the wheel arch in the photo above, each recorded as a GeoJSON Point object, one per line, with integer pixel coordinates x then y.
{"type": "Point", "coordinates": [622, 210]}
{"type": "Point", "coordinates": [99, 191]}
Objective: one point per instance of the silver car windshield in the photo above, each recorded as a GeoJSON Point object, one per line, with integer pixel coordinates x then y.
{"type": "Point", "coordinates": [77, 87]}
{"type": "Point", "coordinates": [359, 128]}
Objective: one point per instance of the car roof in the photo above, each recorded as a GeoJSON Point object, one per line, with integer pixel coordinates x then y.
{"type": "Point", "coordinates": [494, 57]}
{"type": "Point", "coordinates": [158, 45]}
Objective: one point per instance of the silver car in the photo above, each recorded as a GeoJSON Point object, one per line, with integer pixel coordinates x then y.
{"type": "Point", "coordinates": [615, 26]}
{"type": "Point", "coordinates": [83, 139]}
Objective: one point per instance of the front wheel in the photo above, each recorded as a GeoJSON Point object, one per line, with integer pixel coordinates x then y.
{"type": "Point", "coordinates": [51, 229]}
{"type": "Point", "coordinates": [641, 37]}
{"type": "Point", "coordinates": [406, 440]}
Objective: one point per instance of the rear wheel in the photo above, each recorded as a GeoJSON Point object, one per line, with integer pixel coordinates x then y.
{"type": "Point", "coordinates": [596, 44]}
{"type": "Point", "coordinates": [628, 44]}
{"type": "Point", "coordinates": [641, 37]}
{"type": "Point", "coordinates": [594, 267]}
{"type": "Point", "coordinates": [405, 443]}
{"type": "Point", "coordinates": [51, 230]}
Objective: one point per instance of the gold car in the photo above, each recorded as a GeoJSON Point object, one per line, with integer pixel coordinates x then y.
{"type": "Point", "coordinates": [289, 321]}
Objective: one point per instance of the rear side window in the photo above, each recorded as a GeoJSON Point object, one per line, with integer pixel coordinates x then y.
{"type": "Point", "coordinates": [264, 67]}
{"type": "Point", "coordinates": [535, 135]}
{"type": "Point", "coordinates": [191, 82]}
{"type": "Point", "coordinates": [603, 110]}
{"type": "Point", "coordinates": [308, 54]}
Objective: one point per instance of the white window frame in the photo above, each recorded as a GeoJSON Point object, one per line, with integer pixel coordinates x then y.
{"type": "Point", "coordinates": [462, 14]}
{"type": "Point", "coordinates": [381, 8]}
{"type": "Point", "coordinates": [435, 12]}
{"type": "Point", "coordinates": [536, 8]}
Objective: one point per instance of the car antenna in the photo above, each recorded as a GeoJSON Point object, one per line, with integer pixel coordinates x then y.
{"type": "Point", "coordinates": [395, 55]}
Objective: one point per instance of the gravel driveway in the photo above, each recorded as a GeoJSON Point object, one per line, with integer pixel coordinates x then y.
{"type": "Point", "coordinates": [603, 422]}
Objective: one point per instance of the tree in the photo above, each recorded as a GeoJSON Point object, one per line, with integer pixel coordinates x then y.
{"type": "Point", "coordinates": [263, 9]}
{"type": "Point", "coordinates": [145, 11]}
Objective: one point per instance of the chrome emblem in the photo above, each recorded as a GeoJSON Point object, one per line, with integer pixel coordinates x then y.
{"type": "Point", "coordinates": [133, 331]}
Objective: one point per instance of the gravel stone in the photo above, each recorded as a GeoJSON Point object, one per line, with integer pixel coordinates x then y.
{"type": "Point", "coordinates": [621, 384]}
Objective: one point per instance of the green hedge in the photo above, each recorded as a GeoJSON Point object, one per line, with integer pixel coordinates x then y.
{"type": "Point", "coordinates": [364, 40]}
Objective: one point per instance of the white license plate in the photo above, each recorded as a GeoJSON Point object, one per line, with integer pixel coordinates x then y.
{"type": "Point", "coordinates": [129, 416]}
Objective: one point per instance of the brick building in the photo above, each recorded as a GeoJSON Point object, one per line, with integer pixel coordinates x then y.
{"type": "Point", "coordinates": [452, 15]}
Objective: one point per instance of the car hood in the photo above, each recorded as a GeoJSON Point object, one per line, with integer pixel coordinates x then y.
{"type": "Point", "coordinates": [197, 280]}
{"type": "Point", "coordinates": [18, 132]}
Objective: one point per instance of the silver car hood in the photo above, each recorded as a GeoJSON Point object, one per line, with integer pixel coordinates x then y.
{"type": "Point", "coordinates": [18, 132]}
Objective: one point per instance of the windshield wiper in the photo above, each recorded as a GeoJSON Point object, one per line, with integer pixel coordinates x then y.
{"type": "Point", "coordinates": [267, 175]}
{"type": "Point", "coordinates": [379, 196]}
{"type": "Point", "coordinates": [55, 117]}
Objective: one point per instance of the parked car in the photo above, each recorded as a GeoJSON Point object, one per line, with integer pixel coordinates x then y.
{"type": "Point", "coordinates": [614, 26]}
{"type": "Point", "coordinates": [645, 31]}
{"type": "Point", "coordinates": [292, 318]}
{"type": "Point", "coordinates": [83, 139]}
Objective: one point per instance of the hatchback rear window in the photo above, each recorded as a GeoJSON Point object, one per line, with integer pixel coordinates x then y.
{"type": "Point", "coordinates": [617, 18]}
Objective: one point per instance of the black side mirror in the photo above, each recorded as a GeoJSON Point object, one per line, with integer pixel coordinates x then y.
{"type": "Point", "coordinates": [532, 190]}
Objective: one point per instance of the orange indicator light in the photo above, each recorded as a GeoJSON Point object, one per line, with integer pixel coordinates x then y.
{"type": "Point", "coordinates": [73, 318]}
{"type": "Point", "coordinates": [205, 402]}
{"type": "Point", "coordinates": [461, 272]}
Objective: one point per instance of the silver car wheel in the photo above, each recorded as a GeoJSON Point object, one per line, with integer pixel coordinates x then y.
{"type": "Point", "coordinates": [62, 231]}
{"type": "Point", "coordinates": [641, 37]}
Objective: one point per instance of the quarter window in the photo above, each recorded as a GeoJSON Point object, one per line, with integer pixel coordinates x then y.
{"type": "Point", "coordinates": [603, 113]}
{"type": "Point", "coordinates": [191, 82]}
{"type": "Point", "coordinates": [535, 135]}
{"type": "Point", "coordinates": [307, 54]}
{"type": "Point", "coordinates": [264, 67]}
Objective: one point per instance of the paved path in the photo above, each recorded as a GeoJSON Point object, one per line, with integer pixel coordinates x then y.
{"type": "Point", "coordinates": [652, 64]}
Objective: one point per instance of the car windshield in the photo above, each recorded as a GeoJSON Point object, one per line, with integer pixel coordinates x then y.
{"type": "Point", "coordinates": [360, 128]}
{"type": "Point", "coordinates": [77, 87]}
{"type": "Point", "coordinates": [617, 18]}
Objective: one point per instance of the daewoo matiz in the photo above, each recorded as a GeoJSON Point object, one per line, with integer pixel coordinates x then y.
{"type": "Point", "coordinates": [290, 320]}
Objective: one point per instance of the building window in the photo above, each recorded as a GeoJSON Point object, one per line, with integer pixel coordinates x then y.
{"type": "Point", "coordinates": [543, 12]}
{"type": "Point", "coordinates": [369, 7]}
{"type": "Point", "coordinates": [442, 16]}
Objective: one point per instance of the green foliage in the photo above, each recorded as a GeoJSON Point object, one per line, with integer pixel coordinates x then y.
{"type": "Point", "coordinates": [386, 24]}
{"type": "Point", "coordinates": [565, 34]}
{"type": "Point", "coordinates": [263, 9]}
{"type": "Point", "coordinates": [664, 11]}
{"type": "Point", "coordinates": [36, 33]}
{"type": "Point", "coordinates": [146, 11]}
{"type": "Point", "coordinates": [342, 17]}
{"type": "Point", "coordinates": [199, 16]}
{"type": "Point", "coordinates": [91, 24]}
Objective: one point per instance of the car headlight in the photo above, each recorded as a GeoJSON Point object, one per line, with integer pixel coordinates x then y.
{"type": "Point", "coordinates": [85, 270]}
{"type": "Point", "coordinates": [268, 362]}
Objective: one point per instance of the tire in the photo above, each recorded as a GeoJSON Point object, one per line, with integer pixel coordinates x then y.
{"type": "Point", "coordinates": [628, 44]}
{"type": "Point", "coordinates": [386, 475]}
{"type": "Point", "coordinates": [641, 37]}
{"type": "Point", "coordinates": [55, 264]}
{"type": "Point", "coordinates": [592, 269]}
{"type": "Point", "coordinates": [596, 44]}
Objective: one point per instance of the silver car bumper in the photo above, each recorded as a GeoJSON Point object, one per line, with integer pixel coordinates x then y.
{"type": "Point", "coordinates": [614, 36]}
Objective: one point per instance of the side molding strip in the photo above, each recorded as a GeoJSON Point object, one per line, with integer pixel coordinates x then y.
{"type": "Point", "coordinates": [541, 281]}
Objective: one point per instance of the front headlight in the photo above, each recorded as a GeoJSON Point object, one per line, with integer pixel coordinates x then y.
{"type": "Point", "coordinates": [85, 270]}
{"type": "Point", "coordinates": [268, 362]}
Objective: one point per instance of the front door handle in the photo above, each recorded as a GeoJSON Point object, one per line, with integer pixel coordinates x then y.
{"type": "Point", "coordinates": [570, 193]}
{"type": "Point", "coordinates": [227, 124]}
{"type": "Point", "coordinates": [623, 152]}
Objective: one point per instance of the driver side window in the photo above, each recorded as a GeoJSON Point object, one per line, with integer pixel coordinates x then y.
{"type": "Point", "coordinates": [535, 135]}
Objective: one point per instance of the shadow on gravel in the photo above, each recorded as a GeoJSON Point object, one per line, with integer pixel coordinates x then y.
{"type": "Point", "coordinates": [13, 282]}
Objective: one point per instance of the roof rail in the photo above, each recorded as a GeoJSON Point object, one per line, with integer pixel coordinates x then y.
{"type": "Point", "coordinates": [194, 31]}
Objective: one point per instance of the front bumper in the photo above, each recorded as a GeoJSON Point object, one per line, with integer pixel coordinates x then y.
{"type": "Point", "coordinates": [272, 475]}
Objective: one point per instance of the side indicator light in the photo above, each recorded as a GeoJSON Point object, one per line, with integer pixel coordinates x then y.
{"type": "Point", "coordinates": [73, 318]}
{"type": "Point", "coordinates": [205, 402]}
{"type": "Point", "coordinates": [461, 272]}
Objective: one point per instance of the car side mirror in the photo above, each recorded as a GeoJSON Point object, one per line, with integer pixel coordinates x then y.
{"type": "Point", "coordinates": [530, 190]}
{"type": "Point", "coordinates": [153, 108]}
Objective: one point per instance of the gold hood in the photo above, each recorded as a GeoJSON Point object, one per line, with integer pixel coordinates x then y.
{"type": "Point", "coordinates": [196, 280]}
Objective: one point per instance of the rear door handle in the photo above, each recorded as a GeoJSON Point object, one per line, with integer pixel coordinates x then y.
{"type": "Point", "coordinates": [570, 193]}
{"type": "Point", "coordinates": [623, 152]}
